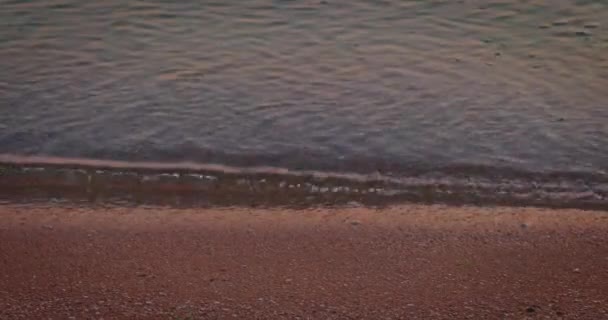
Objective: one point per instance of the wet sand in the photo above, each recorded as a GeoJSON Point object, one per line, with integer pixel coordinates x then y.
{"type": "Point", "coordinates": [30, 179]}
{"type": "Point", "coordinates": [403, 262]}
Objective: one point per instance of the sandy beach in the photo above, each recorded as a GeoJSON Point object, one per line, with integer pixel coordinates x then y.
{"type": "Point", "coordinates": [403, 262]}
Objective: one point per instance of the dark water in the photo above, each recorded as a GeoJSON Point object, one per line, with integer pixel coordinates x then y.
{"type": "Point", "coordinates": [323, 85]}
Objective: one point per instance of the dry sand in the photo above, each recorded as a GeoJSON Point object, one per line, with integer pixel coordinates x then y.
{"type": "Point", "coordinates": [405, 262]}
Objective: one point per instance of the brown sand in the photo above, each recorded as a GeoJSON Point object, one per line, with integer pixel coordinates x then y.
{"type": "Point", "coordinates": [407, 262]}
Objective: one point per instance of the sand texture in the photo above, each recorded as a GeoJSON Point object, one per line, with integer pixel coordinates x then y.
{"type": "Point", "coordinates": [403, 262]}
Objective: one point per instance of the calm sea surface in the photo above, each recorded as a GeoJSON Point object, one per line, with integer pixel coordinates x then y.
{"type": "Point", "coordinates": [325, 85]}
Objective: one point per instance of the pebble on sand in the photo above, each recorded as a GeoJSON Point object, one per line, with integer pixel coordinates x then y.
{"type": "Point", "coordinates": [591, 25]}
{"type": "Point", "coordinates": [561, 22]}
{"type": "Point", "coordinates": [582, 33]}
{"type": "Point", "coordinates": [353, 204]}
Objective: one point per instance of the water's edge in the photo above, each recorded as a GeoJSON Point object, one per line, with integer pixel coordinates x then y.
{"type": "Point", "coordinates": [35, 179]}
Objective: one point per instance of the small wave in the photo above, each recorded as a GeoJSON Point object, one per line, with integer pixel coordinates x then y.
{"type": "Point", "coordinates": [31, 178]}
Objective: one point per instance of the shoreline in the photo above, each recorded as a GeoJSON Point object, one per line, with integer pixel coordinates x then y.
{"type": "Point", "coordinates": [39, 179]}
{"type": "Point", "coordinates": [408, 261]}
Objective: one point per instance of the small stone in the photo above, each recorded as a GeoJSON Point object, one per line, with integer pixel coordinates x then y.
{"type": "Point", "coordinates": [561, 22]}
{"type": "Point", "coordinates": [591, 25]}
{"type": "Point", "coordinates": [353, 204]}
{"type": "Point", "coordinates": [355, 222]}
{"type": "Point", "coordinates": [576, 270]}
{"type": "Point", "coordinates": [582, 33]}
{"type": "Point", "coordinates": [544, 26]}
{"type": "Point", "coordinates": [530, 310]}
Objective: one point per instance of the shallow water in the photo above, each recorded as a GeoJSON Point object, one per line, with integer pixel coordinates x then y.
{"type": "Point", "coordinates": [355, 86]}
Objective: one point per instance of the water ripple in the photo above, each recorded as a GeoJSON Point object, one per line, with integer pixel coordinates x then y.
{"type": "Point", "coordinates": [355, 86]}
